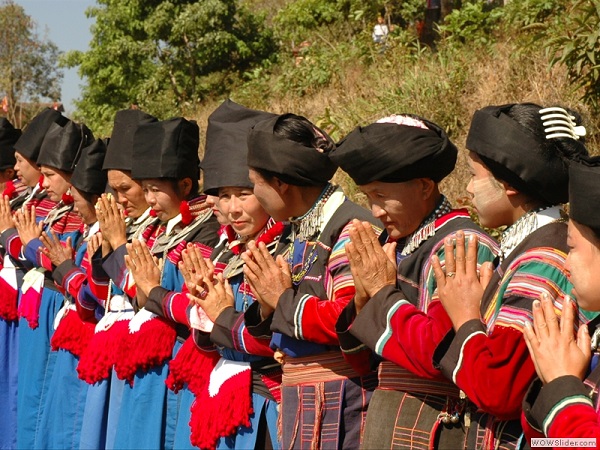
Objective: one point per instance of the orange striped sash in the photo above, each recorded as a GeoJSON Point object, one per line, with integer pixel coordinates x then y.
{"type": "Point", "coordinates": [394, 377]}
{"type": "Point", "coordinates": [323, 367]}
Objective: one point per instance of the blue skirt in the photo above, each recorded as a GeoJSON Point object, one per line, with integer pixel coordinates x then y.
{"type": "Point", "coordinates": [245, 438]}
{"type": "Point", "coordinates": [9, 348]}
{"type": "Point", "coordinates": [36, 364]}
{"type": "Point", "coordinates": [143, 413]}
{"type": "Point", "coordinates": [62, 416]}
{"type": "Point", "coordinates": [95, 416]}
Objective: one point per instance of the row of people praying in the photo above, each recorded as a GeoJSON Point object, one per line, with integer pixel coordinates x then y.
{"type": "Point", "coordinates": [151, 299]}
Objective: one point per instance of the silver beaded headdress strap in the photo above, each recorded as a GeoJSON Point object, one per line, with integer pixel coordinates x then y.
{"type": "Point", "coordinates": [558, 123]}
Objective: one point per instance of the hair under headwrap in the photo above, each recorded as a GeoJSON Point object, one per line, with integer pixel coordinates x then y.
{"type": "Point", "coordinates": [290, 161]}
{"type": "Point", "coordinates": [395, 152]}
{"type": "Point", "coordinates": [516, 155]}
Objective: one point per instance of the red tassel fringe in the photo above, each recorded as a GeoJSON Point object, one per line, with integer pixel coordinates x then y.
{"type": "Point", "coordinates": [151, 346]}
{"type": "Point", "coordinates": [191, 365]}
{"type": "Point", "coordinates": [29, 307]}
{"type": "Point", "coordinates": [220, 416]}
{"type": "Point", "coordinates": [186, 214]}
{"type": "Point", "coordinates": [95, 363]}
{"type": "Point", "coordinates": [9, 189]}
{"type": "Point", "coordinates": [8, 302]}
{"type": "Point", "coordinates": [72, 334]}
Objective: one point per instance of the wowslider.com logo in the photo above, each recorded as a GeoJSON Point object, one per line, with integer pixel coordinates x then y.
{"type": "Point", "coordinates": [564, 442]}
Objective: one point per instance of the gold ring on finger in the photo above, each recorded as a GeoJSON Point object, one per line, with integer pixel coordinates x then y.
{"type": "Point", "coordinates": [450, 274]}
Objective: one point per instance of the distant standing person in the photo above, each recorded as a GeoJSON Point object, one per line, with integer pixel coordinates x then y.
{"type": "Point", "coordinates": [380, 31]}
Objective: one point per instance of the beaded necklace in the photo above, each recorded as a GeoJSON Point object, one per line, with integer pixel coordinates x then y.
{"type": "Point", "coordinates": [305, 227]}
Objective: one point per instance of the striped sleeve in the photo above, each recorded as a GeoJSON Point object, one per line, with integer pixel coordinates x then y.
{"type": "Point", "coordinates": [492, 357]}
{"type": "Point", "coordinates": [563, 409]}
{"type": "Point", "coordinates": [308, 317]}
{"type": "Point", "coordinates": [230, 331]}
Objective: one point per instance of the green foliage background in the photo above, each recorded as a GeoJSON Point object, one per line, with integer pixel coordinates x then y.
{"type": "Point", "coordinates": [316, 58]}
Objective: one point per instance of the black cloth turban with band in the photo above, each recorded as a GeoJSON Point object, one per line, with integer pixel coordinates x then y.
{"type": "Point", "coordinates": [394, 153]}
{"type": "Point", "coordinates": [290, 161]}
{"type": "Point", "coordinates": [516, 156]}
{"type": "Point", "coordinates": [225, 161]}
{"type": "Point", "coordinates": [584, 192]}
{"type": "Point", "coordinates": [8, 136]}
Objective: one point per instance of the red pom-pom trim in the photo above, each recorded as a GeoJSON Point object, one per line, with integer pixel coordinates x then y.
{"type": "Point", "coordinates": [186, 214]}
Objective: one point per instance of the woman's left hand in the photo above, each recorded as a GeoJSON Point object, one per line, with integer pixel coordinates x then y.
{"type": "Point", "coordinates": [55, 250]}
{"type": "Point", "coordinates": [460, 288]}
{"type": "Point", "coordinates": [214, 296]}
{"type": "Point", "coordinates": [553, 348]}
{"type": "Point", "coordinates": [143, 267]}
{"type": "Point", "coordinates": [268, 278]}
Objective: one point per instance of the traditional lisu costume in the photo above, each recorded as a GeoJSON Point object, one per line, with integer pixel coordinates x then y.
{"type": "Point", "coordinates": [239, 364]}
{"type": "Point", "coordinates": [568, 407]}
{"type": "Point", "coordinates": [488, 358]}
{"type": "Point", "coordinates": [323, 399]}
{"type": "Point", "coordinates": [41, 298]}
{"type": "Point", "coordinates": [8, 307]}
{"type": "Point", "coordinates": [62, 415]}
{"type": "Point", "coordinates": [149, 412]}
{"type": "Point", "coordinates": [415, 406]}
{"type": "Point", "coordinates": [103, 401]}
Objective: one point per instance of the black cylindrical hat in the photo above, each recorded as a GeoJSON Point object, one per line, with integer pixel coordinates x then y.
{"type": "Point", "coordinates": [8, 136]}
{"type": "Point", "coordinates": [166, 149]}
{"type": "Point", "coordinates": [88, 175]}
{"type": "Point", "coordinates": [62, 145]}
{"type": "Point", "coordinates": [119, 153]}
{"type": "Point", "coordinates": [30, 142]}
{"type": "Point", "coordinates": [225, 161]}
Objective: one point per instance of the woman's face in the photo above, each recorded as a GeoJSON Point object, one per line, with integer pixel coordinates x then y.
{"type": "Point", "coordinates": [27, 171]}
{"type": "Point", "coordinates": [488, 195]}
{"type": "Point", "coordinates": [582, 262]}
{"type": "Point", "coordinates": [269, 197]}
{"type": "Point", "coordinates": [81, 206]}
{"type": "Point", "coordinates": [242, 210]}
{"type": "Point", "coordinates": [401, 207]}
{"type": "Point", "coordinates": [162, 197]}
{"type": "Point", "coordinates": [56, 182]}
{"type": "Point", "coordinates": [128, 192]}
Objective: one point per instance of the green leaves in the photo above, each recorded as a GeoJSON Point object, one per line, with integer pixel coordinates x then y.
{"type": "Point", "coordinates": [165, 55]}
{"type": "Point", "coordinates": [28, 63]}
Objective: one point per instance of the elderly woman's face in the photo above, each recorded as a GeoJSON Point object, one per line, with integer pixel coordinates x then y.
{"type": "Point", "coordinates": [401, 207]}
{"type": "Point", "coordinates": [582, 263]}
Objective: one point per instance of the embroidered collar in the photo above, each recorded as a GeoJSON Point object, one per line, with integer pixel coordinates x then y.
{"type": "Point", "coordinates": [313, 221]}
{"type": "Point", "coordinates": [426, 229]}
{"type": "Point", "coordinates": [525, 225]}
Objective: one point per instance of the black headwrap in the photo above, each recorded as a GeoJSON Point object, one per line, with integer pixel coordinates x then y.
{"type": "Point", "coordinates": [88, 175]}
{"type": "Point", "coordinates": [166, 149]}
{"type": "Point", "coordinates": [394, 153]}
{"type": "Point", "coordinates": [225, 161]}
{"type": "Point", "coordinates": [62, 145]}
{"type": "Point", "coordinates": [30, 142]}
{"type": "Point", "coordinates": [290, 161]}
{"type": "Point", "coordinates": [515, 155]}
{"type": "Point", "coordinates": [119, 153]}
{"type": "Point", "coordinates": [584, 192]}
{"type": "Point", "coordinates": [8, 136]}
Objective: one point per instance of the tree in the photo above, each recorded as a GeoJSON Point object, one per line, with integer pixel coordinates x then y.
{"type": "Point", "coordinates": [28, 65]}
{"type": "Point", "coordinates": [165, 55]}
